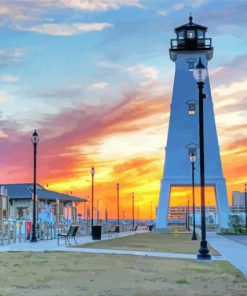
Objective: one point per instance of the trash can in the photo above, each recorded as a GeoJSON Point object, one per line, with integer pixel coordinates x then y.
{"type": "Point", "coordinates": [96, 232]}
{"type": "Point", "coordinates": [150, 227]}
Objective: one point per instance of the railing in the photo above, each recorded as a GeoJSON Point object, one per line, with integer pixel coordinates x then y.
{"type": "Point", "coordinates": [183, 44]}
{"type": "Point", "coordinates": [21, 231]}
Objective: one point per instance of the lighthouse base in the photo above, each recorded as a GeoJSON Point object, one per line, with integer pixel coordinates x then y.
{"type": "Point", "coordinates": [164, 200]}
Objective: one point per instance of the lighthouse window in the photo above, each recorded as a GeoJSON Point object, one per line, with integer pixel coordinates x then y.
{"type": "Point", "coordinates": [192, 109]}
{"type": "Point", "coordinates": [190, 34]}
{"type": "Point", "coordinates": [191, 64]}
{"type": "Point", "coordinates": [200, 34]}
{"type": "Point", "coordinates": [181, 35]}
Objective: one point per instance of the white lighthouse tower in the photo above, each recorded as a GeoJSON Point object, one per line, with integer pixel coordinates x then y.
{"type": "Point", "coordinates": [183, 134]}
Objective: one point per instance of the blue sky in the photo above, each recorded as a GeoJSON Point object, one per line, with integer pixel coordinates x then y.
{"type": "Point", "coordinates": [74, 69]}
{"type": "Point", "coordinates": [55, 53]}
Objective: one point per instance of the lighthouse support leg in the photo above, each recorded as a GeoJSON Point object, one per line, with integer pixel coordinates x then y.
{"type": "Point", "coordinates": [222, 203]}
{"type": "Point", "coordinates": [162, 215]}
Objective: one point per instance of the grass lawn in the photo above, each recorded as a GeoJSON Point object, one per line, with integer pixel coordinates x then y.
{"type": "Point", "coordinates": [79, 274]}
{"type": "Point", "coordinates": [152, 241]}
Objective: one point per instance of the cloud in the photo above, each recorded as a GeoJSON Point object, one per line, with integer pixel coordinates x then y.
{"type": "Point", "coordinates": [65, 29]}
{"type": "Point", "coordinates": [23, 11]}
{"type": "Point", "coordinates": [93, 5]}
{"type": "Point", "coordinates": [227, 90]}
{"type": "Point", "coordinates": [17, 11]}
{"type": "Point", "coordinates": [181, 5]}
{"type": "Point", "coordinates": [3, 135]}
{"type": "Point", "coordinates": [235, 70]}
{"type": "Point", "coordinates": [150, 73]}
{"type": "Point", "coordinates": [99, 85]}
{"type": "Point", "coordinates": [3, 96]}
{"type": "Point", "coordinates": [9, 78]}
{"type": "Point", "coordinates": [10, 56]}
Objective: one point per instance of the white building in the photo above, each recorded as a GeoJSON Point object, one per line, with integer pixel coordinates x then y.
{"type": "Point", "coordinates": [238, 199]}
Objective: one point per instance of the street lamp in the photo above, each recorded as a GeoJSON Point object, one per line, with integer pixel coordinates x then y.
{"type": "Point", "coordinates": [117, 203]}
{"type": "Point", "coordinates": [200, 75]}
{"type": "Point", "coordinates": [193, 160]}
{"type": "Point", "coordinates": [35, 141]}
{"type": "Point", "coordinates": [188, 214]}
{"type": "Point", "coordinates": [92, 174]}
{"type": "Point", "coordinates": [98, 210]}
{"type": "Point", "coordinates": [133, 210]}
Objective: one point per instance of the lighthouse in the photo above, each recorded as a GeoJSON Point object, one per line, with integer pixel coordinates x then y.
{"type": "Point", "coordinates": [190, 46]}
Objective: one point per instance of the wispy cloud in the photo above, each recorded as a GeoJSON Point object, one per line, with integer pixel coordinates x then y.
{"type": "Point", "coordinates": [9, 78]}
{"type": "Point", "coordinates": [181, 5]}
{"type": "Point", "coordinates": [98, 85]}
{"type": "Point", "coordinates": [10, 56]}
{"type": "Point", "coordinates": [23, 11]}
{"type": "Point", "coordinates": [150, 74]}
{"type": "Point", "coordinates": [65, 29]}
{"type": "Point", "coordinates": [3, 96]}
{"type": "Point", "coordinates": [92, 5]}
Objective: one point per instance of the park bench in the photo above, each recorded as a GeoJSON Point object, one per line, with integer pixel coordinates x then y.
{"type": "Point", "coordinates": [135, 228]}
{"type": "Point", "coordinates": [115, 229]}
{"type": "Point", "coordinates": [66, 235]}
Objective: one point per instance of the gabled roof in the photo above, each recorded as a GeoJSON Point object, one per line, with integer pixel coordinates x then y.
{"type": "Point", "coordinates": [24, 191]}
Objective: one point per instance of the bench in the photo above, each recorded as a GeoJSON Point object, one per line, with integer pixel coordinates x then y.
{"type": "Point", "coordinates": [135, 228]}
{"type": "Point", "coordinates": [66, 235]}
{"type": "Point", "coordinates": [114, 229]}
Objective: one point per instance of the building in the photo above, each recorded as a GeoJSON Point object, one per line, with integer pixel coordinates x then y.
{"type": "Point", "coordinates": [238, 199]}
{"type": "Point", "coordinates": [51, 206]}
{"type": "Point", "coordinates": [190, 46]}
{"type": "Point", "coordinates": [4, 204]}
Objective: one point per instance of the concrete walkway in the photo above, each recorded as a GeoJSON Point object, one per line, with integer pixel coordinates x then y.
{"type": "Point", "coordinates": [51, 246]}
{"type": "Point", "coordinates": [231, 250]}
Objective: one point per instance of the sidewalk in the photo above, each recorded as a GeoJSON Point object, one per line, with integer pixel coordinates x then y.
{"type": "Point", "coordinates": [51, 246]}
{"type": "Point", "coordinates": [232, 251]}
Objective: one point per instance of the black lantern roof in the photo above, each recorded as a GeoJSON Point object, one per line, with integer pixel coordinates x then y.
{"type": "Point", "coordinates": [190, 26]}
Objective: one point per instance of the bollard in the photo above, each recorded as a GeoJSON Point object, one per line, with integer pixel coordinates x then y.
{"type": "Point", "coordinates": [14, 232]}
{"type": "Point", "coordinates": [20, 227]}
{"type": "Point", "coordinates": [47, 230]}
{"type": "Point", "coordinates": [8, 231]}
{"type": "Point", "coordinates": [1, 232]}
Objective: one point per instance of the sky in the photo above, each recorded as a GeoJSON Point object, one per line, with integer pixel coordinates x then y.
{"type": "Point", "coordinates": [95, 79]}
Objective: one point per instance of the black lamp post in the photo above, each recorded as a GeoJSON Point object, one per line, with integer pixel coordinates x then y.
{"type": "Point", "coordinates": [35, 141]}
{"type": "Point", "coordinates": [133, 210]}
{"type": "Point", "coordinates": [92, 174]}
{"type": "Point", "coordinates": [188, 213]}
{"type": "Point", "coordinates": [245, 200]}
{"type": "Point", "coordinates": [186, 217]}
{"type": "Point", "coordinates": [200, 75]}
{"type": "Point", "coordinates": [193, 160]}
{"type": "Point", "coordinates": [117, 203]}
